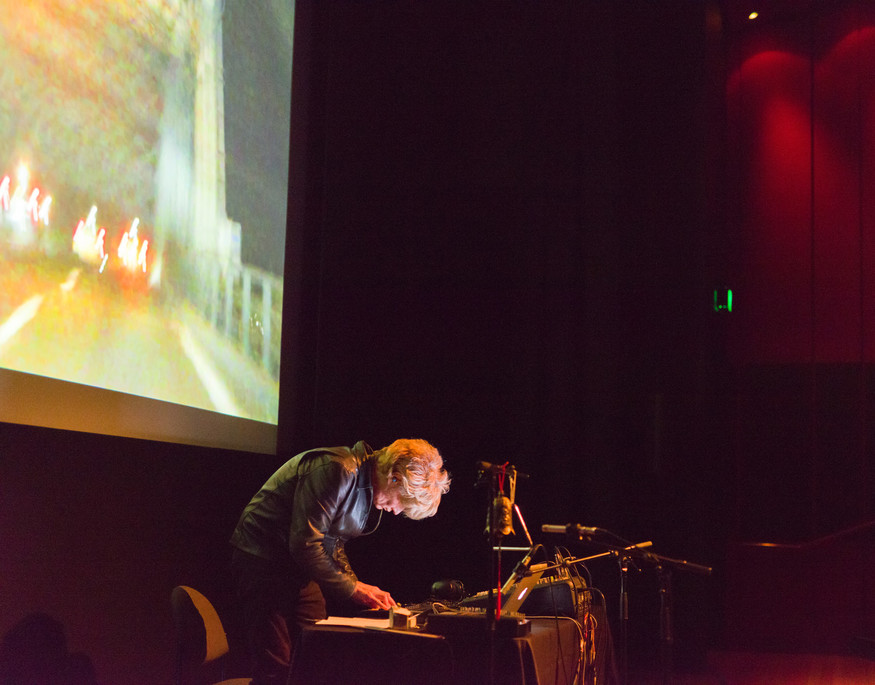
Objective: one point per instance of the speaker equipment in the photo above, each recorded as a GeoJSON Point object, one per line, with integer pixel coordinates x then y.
{"type": "Point", "coordinates": [557, 597]}
{"type": "Point", "coordinates": [552, 596]}
{"type": "Point", "coordinates": [471, 623]}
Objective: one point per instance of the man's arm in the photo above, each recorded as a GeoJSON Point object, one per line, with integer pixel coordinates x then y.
{"type": "Point", "coordinates": [368, 595]}
{"type": "Point", "coordinates": [317, 501]}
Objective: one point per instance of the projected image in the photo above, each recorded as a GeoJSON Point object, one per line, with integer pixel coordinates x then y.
{"type": "Point", "coordinates": [143, 184]}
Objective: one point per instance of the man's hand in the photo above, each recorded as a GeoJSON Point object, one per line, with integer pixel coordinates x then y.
{"type": "Point", "coordinates": [372, 596]}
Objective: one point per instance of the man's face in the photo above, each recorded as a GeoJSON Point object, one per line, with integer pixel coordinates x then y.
{"type": "Point", "coordinates": [388, 495]}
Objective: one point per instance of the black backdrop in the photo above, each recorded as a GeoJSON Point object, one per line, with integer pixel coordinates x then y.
{"type": "Point", "coordinates": [515, 239]}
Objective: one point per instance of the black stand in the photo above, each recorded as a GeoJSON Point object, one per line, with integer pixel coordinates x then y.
{"type": "Point", "coordinates": [499, 522]}
{"type": "Point", "coordinates": [629, 555]}
{"type": "Point", "coordinates": [666, 632]}
{"type": "Point", "coordinates": [624, 616]}
{"type": "Point", "coordinates": [664, 566]}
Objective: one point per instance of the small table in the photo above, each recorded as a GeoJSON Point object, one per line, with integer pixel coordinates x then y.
{"type": "Point", "coordinates": [337, 654]}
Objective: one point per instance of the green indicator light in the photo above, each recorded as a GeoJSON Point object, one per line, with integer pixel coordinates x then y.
{"type": "Point", "coordinates": [723, 304]}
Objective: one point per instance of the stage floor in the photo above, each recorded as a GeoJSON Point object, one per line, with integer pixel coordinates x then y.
{"type": "Point", "coordinates": [758, 668]}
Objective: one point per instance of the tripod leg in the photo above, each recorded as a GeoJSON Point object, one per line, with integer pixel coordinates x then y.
{"type": "Point", "coordinates": [666, 632]}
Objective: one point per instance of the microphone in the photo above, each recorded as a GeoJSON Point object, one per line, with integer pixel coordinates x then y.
{"type": "Point", "coordinates": [521, 570]}
{"type": "Point", "coordinates": [570, 529]}
{"type": "Point", "coordinates": [522, 567]}
{"type": "Point", "coordinates": [499, 519]}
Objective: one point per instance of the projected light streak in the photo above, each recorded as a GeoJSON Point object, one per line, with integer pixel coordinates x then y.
{"type": "Point", "coordinates": [131, 251]}
{"type": "Point", "coordinates": [70, 283]}
{"type": "Point", "coordinates": [216, 389]}
{"type": "Point", "coordinates": [43, 213]}
{"type": "Point", "coordinates": [25, 312]}
{"type": "Point", "coordinates": [141, 256]}
{"type": "Point", "coordinates": [33, 205]}
{"type": "Point", "coordinates": [18, 319]}
{"type": "Point", "coordinates": [89, 240]}
{"type": "Point", "coordinates": [23, 209]}
{"type": "Point", "coordinates": [4, 193]}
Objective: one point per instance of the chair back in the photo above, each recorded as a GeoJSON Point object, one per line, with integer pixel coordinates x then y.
{"type": "Point", "coordinates": [200, 636]}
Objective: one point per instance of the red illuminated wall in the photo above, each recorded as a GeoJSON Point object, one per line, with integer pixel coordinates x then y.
{"type": "Point", "coordinates": [801, 140]}
{"type": "Point", "coordinates": [800, 97]}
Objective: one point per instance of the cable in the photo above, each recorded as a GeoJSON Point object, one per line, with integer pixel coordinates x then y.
{"type": "Point", "coordinates": [557, 619]}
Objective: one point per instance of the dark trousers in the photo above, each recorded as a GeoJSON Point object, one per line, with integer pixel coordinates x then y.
{"type": "Point", "coordinates": [276, 603]}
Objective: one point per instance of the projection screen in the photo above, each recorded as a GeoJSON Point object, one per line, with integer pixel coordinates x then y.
{"type": "Point", "coordinates": [144, 154]}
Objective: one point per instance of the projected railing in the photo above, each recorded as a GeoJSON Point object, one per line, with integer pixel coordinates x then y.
{"type": "Point", "coordinates": [245, 305]}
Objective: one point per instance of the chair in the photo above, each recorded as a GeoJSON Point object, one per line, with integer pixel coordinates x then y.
{"type": "Point", "coordinates": [200, 636]}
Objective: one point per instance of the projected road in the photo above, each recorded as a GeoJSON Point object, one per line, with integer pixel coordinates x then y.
{"type": "Point", "coordinates": [89, 328]}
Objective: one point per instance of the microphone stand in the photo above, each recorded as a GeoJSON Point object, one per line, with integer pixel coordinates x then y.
{"type": "Point", "coordinates": [499, 520]}
{"type": "Point", "coordinates": [666, 633]}
{"type": "Point", "coordinates": [494, 539]}
{"type": "Point", "coordinates": [624, 615]}
{"type": "Point", "coordinates": [626, 556]}
{"type": "Point", "coordinates": [664, 566]}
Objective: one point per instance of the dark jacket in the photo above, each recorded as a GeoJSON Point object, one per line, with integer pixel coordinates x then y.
{"type": "Point", "coordinates": [308, 509]}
